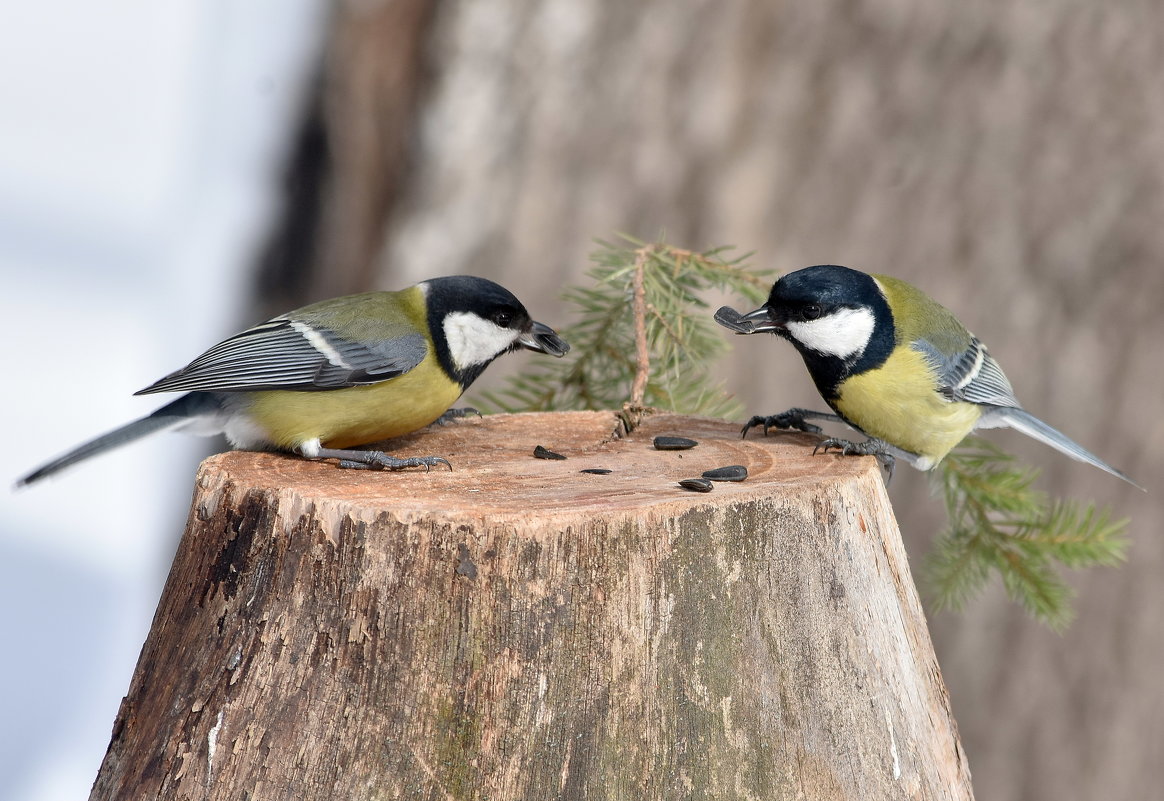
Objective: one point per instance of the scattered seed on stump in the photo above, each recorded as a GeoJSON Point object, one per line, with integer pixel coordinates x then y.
{"type": "Point", "coordinates": [733, 472]}
{"type": "Point", "coordinates": [596, 471]}
{"type": "Point", "coordinates": [696, 484]}
{"type": "Point", "coordinates": [542, 453]}
{"type": "Point", "coordinates": [674, 443]}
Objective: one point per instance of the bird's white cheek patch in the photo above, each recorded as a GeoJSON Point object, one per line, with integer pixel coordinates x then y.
{"type": "Point", "coordinates": [845, 333]}
{"type": "Point", "coordinates": [475, 340]}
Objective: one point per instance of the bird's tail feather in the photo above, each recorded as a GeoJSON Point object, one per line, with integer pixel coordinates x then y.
{"type": "Point", "coordinates": [172, 415]}
{"type": "Point", "coordinates": [1027, 423]}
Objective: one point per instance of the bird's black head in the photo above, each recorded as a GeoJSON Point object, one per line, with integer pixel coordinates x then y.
{"type": "Point", "coordinates": [474, 320]}
{"type": "Point", "coordinates": [836, 317]}
{"type": "Point", "coordinates": [815, 292]}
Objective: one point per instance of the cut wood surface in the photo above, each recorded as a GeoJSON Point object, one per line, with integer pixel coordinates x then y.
{"type": "Point", "coordinates": [515, 629]}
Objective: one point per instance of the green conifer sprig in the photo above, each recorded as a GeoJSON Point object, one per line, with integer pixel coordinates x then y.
{"type": "Point", "coordinates": [644, 337]}
{"type": "Point", "coordinates": [999, 524]}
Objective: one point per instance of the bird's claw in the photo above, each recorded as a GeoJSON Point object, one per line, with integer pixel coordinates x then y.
{"type": "Point", "coordinates": [375, 460]}
{"type": "Point", "coordinates": [871, 447]}
{"type": "Point", "coordinates": [351, 464]}
{"type": "Point", "coordinates": [791, 419]}
{"type": "Point", "coordinates": [846, 447]}
{"type": "Point", "coordinates": [456, 414]}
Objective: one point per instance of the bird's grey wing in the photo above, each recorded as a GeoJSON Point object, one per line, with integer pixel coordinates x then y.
{"type": "Point", "coordinates": [974, 376]}
{"type": "Point", "coordinates": [970, 375]}
{"type": "Point", "coordinates": [284, 353]}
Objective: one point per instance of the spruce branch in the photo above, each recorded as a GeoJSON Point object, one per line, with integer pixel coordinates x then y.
{"type": "Point", "coordinates": [644, 338]}
{"type": "Point", "coordinates": [999, 524]}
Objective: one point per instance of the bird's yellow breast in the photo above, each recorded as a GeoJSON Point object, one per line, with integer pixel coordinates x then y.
{"type": "Point", "coordinates": [898, 402]}
{"type": "Point", "coordinates": [342, 418]}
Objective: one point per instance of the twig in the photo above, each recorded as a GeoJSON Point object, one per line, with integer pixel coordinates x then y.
{"type": "Point", "coordinates": [639, 310]}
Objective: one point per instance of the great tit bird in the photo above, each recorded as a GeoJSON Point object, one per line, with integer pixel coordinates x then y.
{"type": "Point", "coordinates": [340, 373]}
{"type": "Point", "coordinates": [892, 364]}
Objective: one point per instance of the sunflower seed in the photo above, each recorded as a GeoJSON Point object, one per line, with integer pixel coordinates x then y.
{"type": "Point", "coordinates": [733, 472]}
{"type": "Point", "coordinates": [674, 443]}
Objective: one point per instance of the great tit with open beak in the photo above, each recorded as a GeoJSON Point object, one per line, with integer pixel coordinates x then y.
{"type": "Point", "coordinates": [340, 373]}
{"type": "Point", "coordinates": [894, 365]}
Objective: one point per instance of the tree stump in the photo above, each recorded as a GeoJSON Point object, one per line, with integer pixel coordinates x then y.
{"type": "Point", "coordinates": [516, 629]}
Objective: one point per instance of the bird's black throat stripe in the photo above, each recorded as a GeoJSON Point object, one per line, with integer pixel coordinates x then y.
{"type": "Point", "coordinates": [829, 371]}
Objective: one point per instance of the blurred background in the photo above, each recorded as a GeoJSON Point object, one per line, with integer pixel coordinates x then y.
{"type": "Point", "coordinates": [170, 173]}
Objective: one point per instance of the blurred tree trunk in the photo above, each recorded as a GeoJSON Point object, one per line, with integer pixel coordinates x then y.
{"type": "Point", "coordinates": [1008, 157]}
{"type": "Point", "coordinates": [351, 155]}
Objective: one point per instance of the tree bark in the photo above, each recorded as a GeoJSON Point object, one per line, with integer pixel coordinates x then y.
{"type": "Point", "coordinates": [516, 629]}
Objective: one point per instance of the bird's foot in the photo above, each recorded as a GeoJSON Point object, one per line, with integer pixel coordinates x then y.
{"type": "Point", "coordinates": [375, 460]}
{"type": "Point", "coordinates": [456, 414]}
{"type": "Point", "coordinates": [793, 418]}
{"type": "Point", "coordinates": [870, 447]}
{"type": "Point", "coordinates": [378, 460]}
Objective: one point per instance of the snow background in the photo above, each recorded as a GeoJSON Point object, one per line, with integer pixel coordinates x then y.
{"type": "Point", "coordinates": [140, 150]}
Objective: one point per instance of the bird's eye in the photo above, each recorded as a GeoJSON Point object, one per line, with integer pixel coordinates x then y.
{"type": "Point", "coordinates": [811, 312]}
{"type": "Point", "coordinates": [502, 317]}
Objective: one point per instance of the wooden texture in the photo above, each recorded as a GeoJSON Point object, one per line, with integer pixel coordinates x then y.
{"type": "Point", "coordinates": [515, 629]}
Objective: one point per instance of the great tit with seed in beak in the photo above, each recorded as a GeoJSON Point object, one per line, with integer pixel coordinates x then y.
{"type": "Point", "coordinates": [340, 373]}
{"type": "Point", "coordinates": [894, 365]}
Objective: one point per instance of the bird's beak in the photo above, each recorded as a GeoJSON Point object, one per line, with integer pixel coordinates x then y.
{"type": "Point", "coordinates": [541, 337]}
{"type": "Point", "coordinates": [753, 322]}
